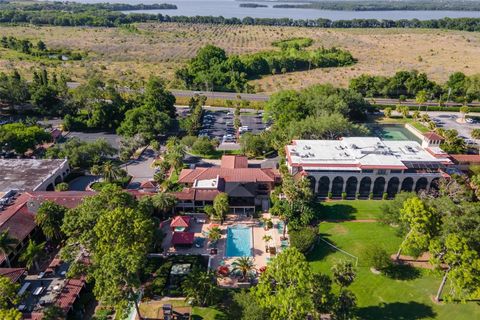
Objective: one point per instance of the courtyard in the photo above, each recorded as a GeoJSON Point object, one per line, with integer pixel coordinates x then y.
{"type": "Point", "coordinates": [252, 243]}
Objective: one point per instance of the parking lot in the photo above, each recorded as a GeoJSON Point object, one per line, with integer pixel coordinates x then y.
{"type": "Point", "coordinates": [219, 124]}
{"type": "Point", "coordinates": [449, 121]}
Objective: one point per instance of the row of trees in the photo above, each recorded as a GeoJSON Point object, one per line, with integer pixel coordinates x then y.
{"type": "Point", "coordinates": [387, 5]}
{"type": "Point", "coordinates": [211, 69]}
{"type": "Point", "coordinates": [412, 84]}
{"type": "Point", "coordinates": [109, 18]}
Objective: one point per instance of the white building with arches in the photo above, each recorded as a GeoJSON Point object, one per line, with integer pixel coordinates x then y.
{"type": "Point", "coordinates": [360, 166]}
{"type": "Point", "coordinates": [32, 174]}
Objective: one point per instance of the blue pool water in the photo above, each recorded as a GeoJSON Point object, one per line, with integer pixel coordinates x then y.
{"type": "Point", "coordinates": [239, 241]}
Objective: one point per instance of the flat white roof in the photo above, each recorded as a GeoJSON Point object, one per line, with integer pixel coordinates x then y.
{"type": "Point", "coordinates": [354, 153]}
{"type": "Point", "coordinates": [206, 184]}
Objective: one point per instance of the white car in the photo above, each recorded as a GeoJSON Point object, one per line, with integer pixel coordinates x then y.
{"type": "Point", "coordinates": [469, 120]}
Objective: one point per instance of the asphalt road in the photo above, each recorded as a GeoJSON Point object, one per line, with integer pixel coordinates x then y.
{"type": "Point", "coordinates": [448, 120]}
{"type": "Point", "coordinates": [266, 96]}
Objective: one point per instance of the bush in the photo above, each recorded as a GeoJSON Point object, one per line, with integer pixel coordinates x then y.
{"type": "Point", "coordinates": [377, 257]}
{"type": "Point", "coordinates": [188, 141]}
{"type": "Point", "coordinates": [344, 195]}
{"type": "Point", "coordinates": [357, 195]}
{"type": "Point", "coordinates": [203, 146]}
{"type": "Point", "coordinates": [370, 196]}
{"type": "Point", "coordinates": [385, 196]}
{"type": "Point", "coordinates": [63, 186]}
{"type": "Point", "coordinates": [330, 195]}
{"type": "Point", "coordinates": [303, 239]}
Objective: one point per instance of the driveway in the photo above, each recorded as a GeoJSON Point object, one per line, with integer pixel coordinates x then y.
{"type": "Point", "coordinates": [141, 169]}
{"type": "Point", "coordinates": [81, 183]}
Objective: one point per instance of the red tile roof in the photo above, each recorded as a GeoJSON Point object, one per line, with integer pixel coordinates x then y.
{"type": "Point", "coordinates": [234, 162]}
{"type": "Point", "coordinates": [70, 293]}
{"type": "Point", "coordinates": [229, 175]}
{"type": "Point", "coordinates": [13, 273]}
{"type": "Point", "coordinates": [182, 238]}
{"type": "Point", "coordinates": [148, 184]}
{"type": "Point", "coordinates": [462, 158]}
{"type": "Point", "coordinates": [32, 316]}
{"type": "Point", "coordinates": [433, 136]}
{"type": "Point", "coordinates": [196, 194]}
{"type": "Point", "coordinates": [180, 221]}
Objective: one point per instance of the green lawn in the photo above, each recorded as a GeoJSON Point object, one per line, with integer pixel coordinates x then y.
{"type": "Point", "coordinates": [404, 296]}
{"type": "Point", "coordinates": [350, 209]}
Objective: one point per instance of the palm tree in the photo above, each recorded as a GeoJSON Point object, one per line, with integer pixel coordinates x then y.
{"type": "Point", "coordinates": [267, 238]}
{"type": "Point", "coordinates": [7, 244]}
{"type": "Point", "coordinates": [244, 265]}
{"type": "Point", "coordinates": [110, 172]}
{"type": "Point", "coordinates": [164, 201]}
{"type": "Point", "coordinates": [214, 234]}
{"type": "Point", "coordinates": [32, 253]}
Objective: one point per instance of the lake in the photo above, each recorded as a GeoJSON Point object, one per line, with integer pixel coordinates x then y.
{"type": "Point", "coordinates": [231, 9]}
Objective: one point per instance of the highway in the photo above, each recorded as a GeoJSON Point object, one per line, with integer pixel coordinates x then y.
{"type": "Point", "coordinates": [265, 97]}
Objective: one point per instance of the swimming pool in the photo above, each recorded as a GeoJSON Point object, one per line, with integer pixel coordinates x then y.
{"type": "Point", "coordinates": [239, 241]}
{"type": "Point", "coordinates": [393, 132]}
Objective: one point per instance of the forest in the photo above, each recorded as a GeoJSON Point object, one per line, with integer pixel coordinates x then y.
{"type": "Point", "coordinates": [211, 69]}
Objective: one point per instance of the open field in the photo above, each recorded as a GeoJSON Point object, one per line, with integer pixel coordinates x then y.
{"type": "Point", "coordinates": [162, 48]}
{"type": "Point", "coordinates": [407, 295]}
{"type": "Point", "coordinates": [350, 209]}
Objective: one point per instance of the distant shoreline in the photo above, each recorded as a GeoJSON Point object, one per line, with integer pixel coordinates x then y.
{"type": "Point", "coordinates": [381, 5]}
{"type": "Point", "coordinates": [252, 5]}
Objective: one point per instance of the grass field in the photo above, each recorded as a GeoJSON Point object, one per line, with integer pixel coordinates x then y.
{"type": "Point", "coordinates": [405, 295]}
{"type": "Point", "coordinates": [153, 310]}
{"type": "Point", "coordinates": [161, 48]}
{"type": "Point", "coordinates": [350, 209]}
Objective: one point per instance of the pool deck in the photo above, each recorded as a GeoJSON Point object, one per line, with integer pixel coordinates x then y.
{"type": "Point", "coordinates": [259, 254]}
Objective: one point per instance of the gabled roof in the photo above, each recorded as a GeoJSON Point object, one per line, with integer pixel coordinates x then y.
{"type": "Point", "coordinates": [234, 162]}
{"type": "Point", "coordinates": [70, 293]}
{"type": "Point", "coordinates": [13, 273]}
{"type": "Point", "coordinates": [433, 136]}
{"type": "Point", "coordinates": [180, 221]}
{"type": "Point", "coordinates": [148, 184]}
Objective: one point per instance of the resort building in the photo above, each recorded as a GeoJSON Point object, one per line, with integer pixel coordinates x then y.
{"type": "Point", "coordinates": [248, 188]}
{"type": "Point", "coordinates": [31, 174]}
{"type": "Point", "coordinates": [360, 166]}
